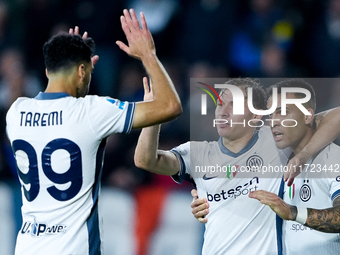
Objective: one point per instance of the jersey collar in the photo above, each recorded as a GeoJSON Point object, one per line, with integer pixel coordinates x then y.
{"type": "Point", "coordinates": [248, 146]}
{"type": "Point", "coordinates": [48, 96]}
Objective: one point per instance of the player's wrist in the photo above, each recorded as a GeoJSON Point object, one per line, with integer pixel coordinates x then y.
{"type": "Point", "coordinates": [302, 214]}
{"type": "Point", "coordinates": [293, 212]}
{"type": "Point", "coordinates": [150, 60]}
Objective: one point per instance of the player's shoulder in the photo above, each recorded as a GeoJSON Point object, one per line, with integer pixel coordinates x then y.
{"type": "Point", "coordinates": [329, 154]}
{"type": "Point", "coordinates": [92, 97]}
{"type": "Point", "coordinates": [334, 147]}
{"type": "Point", "coordinates": [203, 144]}
{"type": "Point", "coordinates": [100, 98]}
{"type": "Point", "coordinates": [265, 131]}
{"type": "Point", "coordinates": [265, 137]}
{"type": "Point", "coordinates": [325, 164]}
{"type": "Point", "coordinates": [267, 144]}
{"type": "Point", "coordinates": [194, 146]}
{"type": "Point", "coordinates": [182, 149]}
{"type": "Point", "coordinates": [204, 147]}
{"type": "Point", "coordinates": [19, 102]}
{"type": "Point", "coordinates": [95, 100]}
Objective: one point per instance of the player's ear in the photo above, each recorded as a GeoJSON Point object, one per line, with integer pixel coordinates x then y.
{"type": "Point", "coordinates": [81, 72]}
{"type": "Point", "coordinates": [256, 118]}
{"type": "Point", "coordinates": [46, 73]}
{"type": "Point", "coordinates": [309, 118]}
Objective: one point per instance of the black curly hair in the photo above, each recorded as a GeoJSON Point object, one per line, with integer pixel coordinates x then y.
{"type": "Point", "coordinates": [65, 50]}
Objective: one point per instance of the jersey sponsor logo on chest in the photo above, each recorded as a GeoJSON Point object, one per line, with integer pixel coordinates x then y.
{"type": "Point", "coordinates": [240, 190]}
{"type": "Point", "coordinates": [37, 229]}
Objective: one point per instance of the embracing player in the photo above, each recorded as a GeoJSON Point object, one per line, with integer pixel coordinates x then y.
{"type": "Point", "coordinates": [233, 225]}
{"type": "Point", "coordinates": [236, 224]}
{"type": "Point", "coordinates": [316, 140]}
{"type": "Point", "coordinates": [317, 187]}
{"type": "Point", "coordinates": [58, 139]}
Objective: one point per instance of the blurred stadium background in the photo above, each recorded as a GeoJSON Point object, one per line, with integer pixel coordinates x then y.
{"type": "Point", "coordinates": [144, 213]}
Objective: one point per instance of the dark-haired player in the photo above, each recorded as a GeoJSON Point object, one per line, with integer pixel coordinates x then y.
{"type": "Point", "coordinates": [316, 188]}
{"type": "Point", "coordinates": [237, 224]}
{"type": "Point", "coordinates": [325, 134]}
{"type": "Point", "coordinates": [58, 139]}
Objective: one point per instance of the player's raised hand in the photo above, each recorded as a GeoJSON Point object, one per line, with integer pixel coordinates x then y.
{"type": "Point", "coordinates": [75, 31]}
{"type": "Point", "coordinates": [200, 207]}
{"type": "Point", "coordinates": [148, 95]}
{"type": "Point", "coordinates": [295, 166]}
{"type": "Point", "coordinates": [281, 208]}
{"type": "Point", "coordinates": [140, 41]}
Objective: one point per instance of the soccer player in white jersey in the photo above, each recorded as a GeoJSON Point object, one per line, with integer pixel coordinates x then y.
{"type": "Point", "coordinates": [58, 139]}
{"type": "Point", "coordinates": [314, 230]}
{"type": "Point", "coordinates": [236, 225]}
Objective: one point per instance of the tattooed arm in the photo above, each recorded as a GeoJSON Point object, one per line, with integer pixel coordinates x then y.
{"type": "Point", "coordinates": [324, 220]}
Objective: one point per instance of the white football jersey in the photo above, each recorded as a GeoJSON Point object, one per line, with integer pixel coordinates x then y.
{"type": "Point", "coordinates": [58, 142]}
{"type": "Point", "coordinates": [316, 187]}
{"type": "Point", "coordinates": [236, 223]}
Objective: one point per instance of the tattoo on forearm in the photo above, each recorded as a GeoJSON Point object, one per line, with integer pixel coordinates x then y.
{"type": "Point", "coordinates": [336, 202]}
{"type": "Point", "coordinates": [326, 220]}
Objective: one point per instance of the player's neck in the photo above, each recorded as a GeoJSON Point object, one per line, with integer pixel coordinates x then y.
{"type": "Point", "coordinates": [57, 84]}
{"type": "Point", "coordinates": [309, 133]}
{"type": "Point", "coordinates": [237, 144]}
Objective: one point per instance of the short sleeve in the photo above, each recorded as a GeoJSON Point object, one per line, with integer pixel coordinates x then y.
{"type": "Point", "coordinates": [108, 115]}
{"type": "Point", "coordinates": [330, 161]}
{"type": "Point", "coordinates": [335, 188]}
{"type": "Point", "coordinates": [182, 152]}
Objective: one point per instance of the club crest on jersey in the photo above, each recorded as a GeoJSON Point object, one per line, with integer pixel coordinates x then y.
{"type": "Point", "coordinates": [254, 163]}
{"type": "Point", "coordinates": [37, 229]}
{"type": "Point", "coordinates": [305, 191]}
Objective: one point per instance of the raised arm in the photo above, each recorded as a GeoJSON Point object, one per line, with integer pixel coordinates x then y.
{"type": "Point", "coordinates": [324, 220]}
{"type": "Point", "coordinates": [147, 155]}
{"type": "Point", "coordinates": [327, 131]}
{"type": "Point", "coordinates": [166, 104]}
